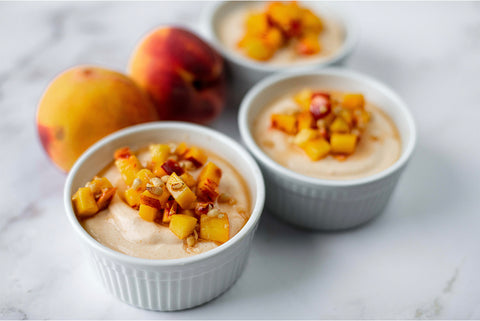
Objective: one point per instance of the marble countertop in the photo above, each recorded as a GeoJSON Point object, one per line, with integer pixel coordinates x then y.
{"type": "Point", "coordinates": [420, 259]}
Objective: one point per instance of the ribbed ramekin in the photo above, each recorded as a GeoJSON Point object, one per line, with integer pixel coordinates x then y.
{"type": "Point", "coordinates": [319, 203]}
{"type": "Point", "coordinates": [246, 72]}
{"type": "Point", "coordinates": [168, 284]}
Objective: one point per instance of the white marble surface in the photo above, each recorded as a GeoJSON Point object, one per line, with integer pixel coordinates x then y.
{"type": "Point", "coordinates": [420, 259]}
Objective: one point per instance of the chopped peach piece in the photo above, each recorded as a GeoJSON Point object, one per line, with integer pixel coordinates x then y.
{"type": "Point", "coordinates": [188, 179]}
{"type": "Point", "coordinates": [308, 44]}
{"type": "Point", "coordinates": [147, 213]}
{"type": "Point", "coordinates": [132, 197]}
{"type": "Point", "coordinates": [180, 192]}
{"type": "Point", "coordinates": [145, 175]}
{"type": "Point", "coordinates": [286, 16]}
{"type": "Point", "coordinates": [128, 168]}
{"type": "Point", "coordinates": [98, 184]}
{"type": "Point", "coordinates": [310, 22]}
{"type": "Point", "coordinates": [257, 24]}
{"type": "Point", "coordinates": [159, 153]}
{"type": "Point", "coordinates": [305, 120]}
{"type": "Point", "coordinates": [84, 202]}
{"type": "Point", "coordinates": [182, 225]}
{"type": "Point", "coordinates": [274, 38]}
{"type": "Point", "coordinates": [304, 99]}
{"type": "Point", "coordinates": [216, 228]}
{"type": "Point", "coordinates": [196, 156]}
{"type": "Point", "coordinates": [286, 123]}
{"type": "Point", "coordinates": [343, 143]}
{"type": "Point", "coordinates": [347, 116]}
{"type": "Point", "coordinates": [123, 152]}
{"type": "Point", "coordinates": [105, 198]}
{"type": "Point", "coordinates": [257, 48]}
{"type": "Point", "coordinates": [181, 149]}
{"type": "Point", "coordinates": [305, 135]}
{"type": "Point", "coordinates": [169, 211]}
{"type": "Point", "coordinates": [153, 200]}
{"type": "Point", "coordinates": [339, 125]}
{"type": "Point", "coordinates": [208, 181]}
{"type": "Point", "coordinates": [353, 101]}
{"type": "Point", "coordinates": [316, 148]}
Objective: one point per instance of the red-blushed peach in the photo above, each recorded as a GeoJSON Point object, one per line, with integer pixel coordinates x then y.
{"type": "Point", "coordinates": [84, 104]}
{"type": "Point", "coordinates": [184, 76]}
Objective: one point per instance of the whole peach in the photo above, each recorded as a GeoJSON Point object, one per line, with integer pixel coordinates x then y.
{"type": "Point", "coordinates": [184, 76]}
{"type": "Point", "coordinates": [84, 104]}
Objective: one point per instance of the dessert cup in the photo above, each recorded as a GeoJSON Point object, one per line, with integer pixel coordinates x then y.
{"type": "Point", "coordinates": [178, 283]}
{"type": "Point", "coordinates": [246, 72]}
{"type": "Point", "coordinates": [320, 203]}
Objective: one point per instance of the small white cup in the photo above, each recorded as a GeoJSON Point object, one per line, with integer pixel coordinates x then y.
{"type": "Point", "coordinates": [168, 284]}
{"type": "Point", "coordinates": [247, 72]}
{"type": "Point", "coordinates": [320, 203]}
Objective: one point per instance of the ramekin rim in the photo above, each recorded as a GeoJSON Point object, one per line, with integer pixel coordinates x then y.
{"type": "Point", "coordinates": [351, 39]}
{"type": "Point", "coordinates": [262, 157]}
{"type": "Point", "coordinates": [249, 226]}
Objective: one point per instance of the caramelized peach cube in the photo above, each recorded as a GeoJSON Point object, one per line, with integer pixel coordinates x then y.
{"type": "Point", "coordinates": [84, 202]}
{"type": "Point", "coordinates": [132, 197]}
{"type": "Point", "coordinates": [181, 149]}
{"type": "Point", "coordinates": [147, 213]}
{"type": "Point", "coordinates": [308, 44]}
{"type": "Point", "coordinates": [343, 143]}
{"type": "Point", "coordinates": [311, 22]}
{"type": "Point", "coordinates": [169, 211]}
{"type": "Point", "coordinates": [105, 198]}
{"type": "Point", "coordinates": [257, 24]}
{"type": "Point", "coordinates": [182, 225]}
{"type": "Point", "coordinates": [208, 181]}
{"type": "Point", "coordinates": [188, 179]}
{"type": "Point", "coordinates": [317, 148]}
{"type": "Point", "coordinates": [181, 192]}
{"type": "Point", "coordinates": [285, 123]}
{"type": "Point", "coordinates": [305, 120]}
{"type": "Point", "coordinates": [215, 228]}
{"type": "Point", "coordinates": [196, 156]}
{"type": "Point", "coordinates": [145, 175]}
{"type": "Point", "coordinates": [159, 153]}
{"type": "Point", "coordinates": [98, 184]}
{"type": "Point", "coordinates": [153, 200]}
{"type": "Point", "coordinates": [286, 16]}
{"type": "Point", "coordinates": [339, 125]}
{"type": "Point", "coordinates": [304, 99]}
{"type": "Point", "coordinates": [353, 101]}
{"type": "Point", "coordinates": [305, 135]}
{"type": "Point", "coordinates": [256, 48]}
{"type": "Point", "coordinates": [128, 168]}
{"type": "Point", "coordinates": [274, 38]}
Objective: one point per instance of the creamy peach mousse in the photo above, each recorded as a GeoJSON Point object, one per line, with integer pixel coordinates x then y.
{"type": "Point", "coordinates": [280, 33]}
{"type": "Point", "coordinates": [165, 202]}
{"type": "Point", "coordinates": [327, 134]}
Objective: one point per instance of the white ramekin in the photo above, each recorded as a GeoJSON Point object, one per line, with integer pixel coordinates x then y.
{"type": "Point", "coordinates": [246, 72]}
{"type": "Point", "coordinates": [319, 203]}
{"type": "Point", "coordinates": [168, 284]}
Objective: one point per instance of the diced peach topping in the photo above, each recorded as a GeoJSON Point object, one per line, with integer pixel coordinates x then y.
{"type": "Point", "coordinates": [215, 228]}
{"type": "Point", "coordinates": [94, 197]}
{"type": "Point", "coordinates": [343, 143]}
{"type": "Point", "coordinates": [286, 123]}
{"type": "Point", "coordinates": [208, 181]}
{"type": "Point", "coordinates": [165, 192]}
{"type": "Point", "coordinates": [182, 225]}
{"type": "Point", "coordinates": [147, 213]}
{"type": "Point", "coordinates": [84, 202]}
{"type": "Point", "coordinates": [277, 25]}
{"type": "Point", "coordinates": [323, 125]}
